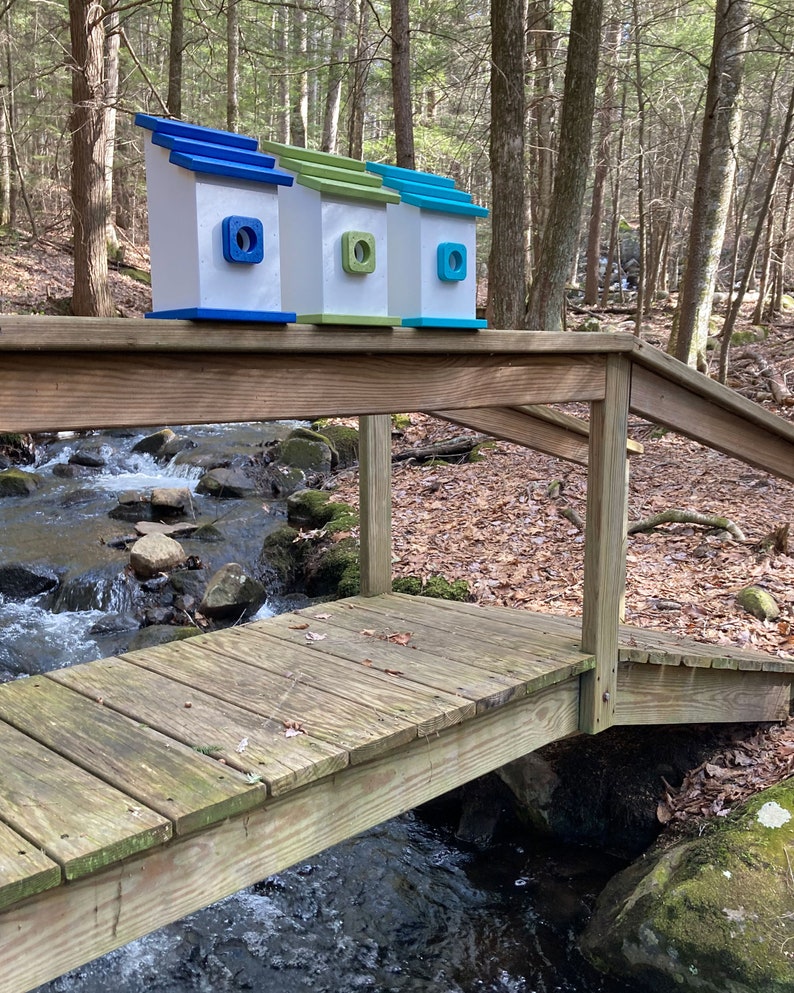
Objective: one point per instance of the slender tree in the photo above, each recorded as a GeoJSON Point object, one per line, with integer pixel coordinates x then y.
{"type": "Point", "coordinates": [401, 84]}
{"type": "Point", "coordinates": [88, 125]}
{"type": "Point", "coordinates": [545, 311]}
{"type": "Point", "coordinates": [507, 266]}
{"type": "Point", "coordinates": [176, 44]}
{"type": "Point", "coordinates": [715, 176]}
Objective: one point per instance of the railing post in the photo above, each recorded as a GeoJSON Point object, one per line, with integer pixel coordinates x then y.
{"type": "Point", "coordinates": [375, 503]}
{"type": "Point", "coordinates": [605, 545]}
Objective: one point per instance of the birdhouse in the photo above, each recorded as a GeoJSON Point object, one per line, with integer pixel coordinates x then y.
{"type": "Point", "coordinates": [213, 224]}
{"type": "Point", "coordinates": [432, 249]}
{"type": "Point", "coordinates": [334, 250]}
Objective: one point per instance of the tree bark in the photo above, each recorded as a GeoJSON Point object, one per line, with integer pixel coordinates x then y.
{"type": "Point", "coordinates": [541, 45]}
{"type": "Point", "coordinates": [507, 264]}
{"type": "Point", "coordinates": [355, 133]}
{"type": "Point", "coordinates": [401, 84]}
{"type": "Point", "coordinates": [714, 184]}
{"type": "Point", "coordinates": [233, 65]}
{"type": "Point", "coordinates": [547, 293]}
{"type": "Point", "coordinates": [333, 96]}
{"type": "Point", "coordinates": [91, 296]}
{"type": "Point", "coordinates": [176, 44]}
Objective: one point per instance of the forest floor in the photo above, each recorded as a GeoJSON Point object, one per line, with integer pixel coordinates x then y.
{"type": "Point", "coordinates": [498, 523]}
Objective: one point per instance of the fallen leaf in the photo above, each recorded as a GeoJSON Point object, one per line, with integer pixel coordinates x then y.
{"type": "Point", "coordinates": [366, 661]}
{"type": "Point", "coordinates": [293, 732]}
{"type": "Point", "coordinates": [393, 672]}
{"type": "Point", "coordinates": [314, 636]}
{"type": "Point", "coordinates": [242, 746]}
{"type": "Point", "coordinates": [298, 627]}
{"type": "Point", "coordinates": [368, 633]}
{"type": "Point", "coordinates": [399, 639]}
{"type": "Point", "coordinates": [322, 617]}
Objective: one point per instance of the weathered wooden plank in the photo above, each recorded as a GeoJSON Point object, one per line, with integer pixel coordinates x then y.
{"type": "Point", "coordinates": [192, 790]}
{"type": "Point", "coordinates": [79, 821]}
{"type": "Point", "coordinates": [256, 644]}
{"type": "Point", "coordinates": [511, 424]}
{"type": "Point", "coordinates": [666, 694]}
{"type": "Point", "coordinates": [45, 937]}
{"type": "Point", "coordinates": [284, 698]}
{"type": "Point", "coordinates": [243, 740]}
{"type": "Point", "coordinates": [766, 443]}
{"type": "Point", "coordinates": [31, 333]}
{"type": "Point", "coordinates": [82, 389]}
{"type": "Point", "coordinates": [535, 426]}
{"type": "Point", "coordinates": [605, 545]}
{"type": "Point", "coordinates": [375, 504]}
{"type": "Point", "coordinates": [476, 626]}
{"type": "Point", "coordinates": [486, 689]}
{"type": "Point", "coordinates": [24, 870]}
{"type": "Point", "coordinates": [537, 665]}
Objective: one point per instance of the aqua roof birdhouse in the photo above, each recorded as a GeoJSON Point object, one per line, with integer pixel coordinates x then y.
{"type": "Point", "coordinates": [432, 249]}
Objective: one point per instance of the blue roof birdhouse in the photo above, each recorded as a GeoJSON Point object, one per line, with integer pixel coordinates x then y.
{"type": "Point", "coordinates": [213, 224]}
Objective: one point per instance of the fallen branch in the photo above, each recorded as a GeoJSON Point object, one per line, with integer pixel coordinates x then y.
{"type": "Point", "coordinates": [455, 448]}
{"type": "Point", "coordinates": [769, 371]}
{"type": "Point", "coordinates": [687, 517]}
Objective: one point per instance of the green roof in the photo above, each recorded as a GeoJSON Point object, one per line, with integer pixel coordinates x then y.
{"type": "Point", "coordinates": [335, 175]}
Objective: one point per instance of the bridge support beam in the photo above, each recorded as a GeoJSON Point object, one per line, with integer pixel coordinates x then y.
{"type": "Point", "coordinates": [605, 546]}
{"type": "Point", "coordinates": [375, 503]}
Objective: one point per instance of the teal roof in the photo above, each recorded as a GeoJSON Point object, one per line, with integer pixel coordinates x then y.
{"type": "Point", "coordinates": [426, 190]}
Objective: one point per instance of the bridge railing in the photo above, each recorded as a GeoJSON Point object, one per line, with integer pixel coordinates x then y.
{"type": "Point", "coordinates": [73, 373]}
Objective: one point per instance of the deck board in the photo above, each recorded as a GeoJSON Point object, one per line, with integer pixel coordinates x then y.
{"type": "Point", "coordinates": [244, 740]}
{"type": "Point", "coordinates": [76, 819]}
{"type": "Point", "coordinates": [24, 869]}
{"type": "Point", "coordinates": [192, 790]}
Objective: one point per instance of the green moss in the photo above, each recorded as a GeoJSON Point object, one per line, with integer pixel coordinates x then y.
{"type": "Point", "coordinates": [315, 509]}
{"type": "Point", "coordinates": [15, 482]}
{"type": "Point", "coordinates": [311, 455]}
{"type": "Point", "coordinates": [344, 445]}
{"type": "Point", "coordinates": [335, 571]}
{"type": "Point", "coordinates": [434, 586]}
{"type": "Point", "coordinates": [476, 454]}
{"type": "Point", "coordinates": [285, 556]}
{"type": "Point", "coordinates": [400, 421]}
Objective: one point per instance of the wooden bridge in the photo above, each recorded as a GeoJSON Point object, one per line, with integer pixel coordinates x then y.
{"type": "Point", "coordinates": [137, 789]}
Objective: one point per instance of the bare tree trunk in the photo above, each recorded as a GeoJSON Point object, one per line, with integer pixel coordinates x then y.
{"type": "Point", "coordinates": [91, 296]}
{"type": "Point", "coordinates": [401, 84]}
{"type": "Point", "coordinates": [547, 293]}
{"type": "Point", "coordinates": [714, 185]}
{"type": "Point", "coordinates": [112, 45]}
{"type": "Point", "coordinates": [333, 97]}
{"type": "Point", "coordinates": [542, 111]}
{"type": "Point", "coordinates": [282, 115]}
{"type": "Point", "coordinates": [606, 118]}
{"type": "Point", "coordinates": [176, 44]}
{"type": "Point", "coordinates": [232, 65]}
{"type": "Point", "coordinates": [506, 267]}
{"type": "Point", "coordinates": [5, 119]}
{"type": "Point", "coordinates": [355, 133]}
{"type": "Point", "coordinates": [299, 108]}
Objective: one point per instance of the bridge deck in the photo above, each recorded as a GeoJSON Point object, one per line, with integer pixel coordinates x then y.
{"type": "Point", "coordinates": [113, 758]}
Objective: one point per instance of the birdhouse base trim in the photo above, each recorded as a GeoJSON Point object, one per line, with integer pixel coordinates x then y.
{"type": "Point", "coordinates": [460, 323]}
{"type": "Point", "coordinates": [219, 314]}
{"type": "Point", "coordinates": [364, 319]}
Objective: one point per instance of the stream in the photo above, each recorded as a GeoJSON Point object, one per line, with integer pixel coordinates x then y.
{"type": "Point", "coordinates": [403, 908]}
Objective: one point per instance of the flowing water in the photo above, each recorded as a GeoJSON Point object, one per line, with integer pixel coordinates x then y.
{"type": "Point", "coordinates": [404, 908]}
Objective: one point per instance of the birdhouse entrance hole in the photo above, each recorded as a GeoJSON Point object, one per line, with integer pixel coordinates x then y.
{"type": "Point", "coordinates": [451, 262]}
{"type": "Point", "coordinates": [243, 240]}
{"type": "Point", "coordinates": [358, 252]}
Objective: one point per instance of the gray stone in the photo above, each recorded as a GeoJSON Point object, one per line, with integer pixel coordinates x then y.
{"type": "Point", "coordinates": [18, 582]}
{"type": "Point", "coordinates": [90, 457]}
{"type": "Point", "coordinates": [172, 500]}
{"type": "Point", "coordinates": [232, 593]}
{"type": "Point", "coordinates": [226, 484]}
{"type": "Point", "coordinates": [155, 553]}
{"type": "Point", "coordinates": [759, 603]}
{"type": "Point", "coordinates": [153, 444]}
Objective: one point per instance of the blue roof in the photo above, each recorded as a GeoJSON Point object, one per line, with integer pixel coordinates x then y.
{"type": "Point", "coordinates": [426, 190]}
{"type": "Point", "coordinates": [213, 152]}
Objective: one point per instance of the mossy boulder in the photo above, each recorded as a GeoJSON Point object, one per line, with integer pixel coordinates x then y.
{"type": "Point", "coordinates": [307, 450]}
{"type": "Point", "coordinates": [284, 556]}
{"type": "Point", "coordinates": [713, 914]}
{"type": "Point", "coordinates": [16, 482]}
{"type": "Point", "coordinates": [759, 603]}
{"type": "Point", "coordinates": [334, 570]}
{"type": "Point", "coordinates": [434, 586]}
{"type": "Point", "coordinates": [344, 442]}
{"type": "Point", "coordinates": [314, 509]}
{"type": "Point", "coordinates": [153, 444]}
